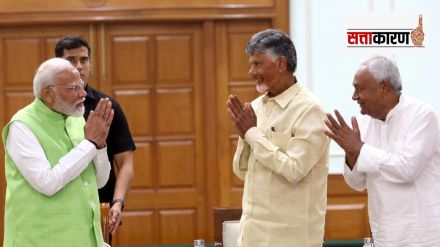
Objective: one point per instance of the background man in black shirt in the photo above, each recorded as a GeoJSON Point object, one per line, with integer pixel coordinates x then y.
{"type": "Point", "coordinates": [120, 145]}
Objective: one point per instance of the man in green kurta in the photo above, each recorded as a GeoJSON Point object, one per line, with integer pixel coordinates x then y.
{"type": "Point", "coordinates": [54, 163]}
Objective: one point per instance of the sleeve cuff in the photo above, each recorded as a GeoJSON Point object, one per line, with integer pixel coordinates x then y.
{"type": "Point", "coordinates": [252, 136]}
{"type": "Point", "coordinates": [369, 159]}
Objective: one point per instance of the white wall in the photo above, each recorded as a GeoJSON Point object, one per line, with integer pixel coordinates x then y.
{"type": "Point", "coordinates": [318, 29]}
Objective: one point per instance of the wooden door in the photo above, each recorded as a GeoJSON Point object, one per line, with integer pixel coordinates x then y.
{"type": "Point", "coordinates": [154, 72]}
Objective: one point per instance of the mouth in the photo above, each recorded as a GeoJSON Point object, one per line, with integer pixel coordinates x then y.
{"type": "Point", "coordinates": [80, 103]}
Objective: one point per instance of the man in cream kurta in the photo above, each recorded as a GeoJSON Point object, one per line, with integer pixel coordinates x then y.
{"type": "Point", "coordinates": [394, 153]}
{"type": "Point", "coordinates": [282, 152]}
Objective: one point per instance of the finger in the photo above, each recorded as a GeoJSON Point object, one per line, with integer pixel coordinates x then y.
{"type": "Point", "coordinates": [107, 109]}
{"type": "Point", "coordinates": [115, 227]}
{"type": "Point", "coordinates": [235, 108]}
{"type": "Point", "coordinates": [330, 126]}
{"type": "Point", "coordinates": [232, 115]}
{"type": "Point", "coordinates": [92, 114]}
{"type": "Point", "coordinates": [332, 121]}
{"type": "Point", "coordinates": [354, 124]}
{"type": "Point", "coordinates": [99, 105]}
{"type": "Point", "coordinates": [330, 134]}
{"type": "Point", "coordinates": [237, 101]}
{"type": "Point", "coordinates": [340, 119]}
{"type": "Point", "coordinates": [110, 118]}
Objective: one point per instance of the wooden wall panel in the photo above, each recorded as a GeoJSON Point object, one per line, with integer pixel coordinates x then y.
{"type": "Point", "coordinates": [174, 59]}
{"type": "Point", "coordinates": [238, 60]}
{"type": "Point", "coordinates": [22, 54]}
{"type": "Point", "coordinates": [143, 176]}
{"type": "Point", "coordinates": [138, 228]}
{"type": "Point", "coordinates": [131, 55]}
{"type": "Point", "coordinates": [347, 211]}
{"type": "Point", "coordinates": [178, 226]}
{"type": "Point", "coordinates": [137, 109]}
{"type": "Point", "coordinates": [175, 106]}
{"type": "Point", "coordinates": [14, 101]}
{"type": "Point", "coordinates": [176, 164]}
{"type": "Point", "coordinates": [346, 218]}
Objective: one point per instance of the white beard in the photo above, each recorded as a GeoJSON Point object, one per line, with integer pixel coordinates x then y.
{"type": "Point", "coordinates": [262, 88]}
{"type": "Point", "coordinates": [66, 109]}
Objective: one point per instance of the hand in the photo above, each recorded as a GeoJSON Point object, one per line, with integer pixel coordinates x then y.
{"type": "Point", "coordinates": [98, 123]}
{"type": "Point", "coordinates": [242, 115]}
{"type": "Point", "coordinates": [114, 219]}
{"type": "Point", "coordinates": [347, 138]}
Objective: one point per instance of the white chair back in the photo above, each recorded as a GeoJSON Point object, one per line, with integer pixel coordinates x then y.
{"type": "Point", "coordinates": [231, 230]}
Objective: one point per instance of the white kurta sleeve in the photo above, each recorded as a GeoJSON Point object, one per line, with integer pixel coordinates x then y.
{"type": "Point", "coordinates": [102, 167]}
{"type": "Point", "coordinates": [355, 179]}
{"type": "Point", "coordinates": [24, 149]}
{"type": "Point", "coordinates": [419, 143]}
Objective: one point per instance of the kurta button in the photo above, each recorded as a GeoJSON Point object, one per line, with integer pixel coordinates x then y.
{"type": "Point", "coordinates": [86, 183]}
{"type": "Point", "coordinates": [92, 204]}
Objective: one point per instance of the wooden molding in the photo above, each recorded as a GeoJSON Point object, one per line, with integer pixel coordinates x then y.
{"type": "Point", "coordinates": [71, 12]}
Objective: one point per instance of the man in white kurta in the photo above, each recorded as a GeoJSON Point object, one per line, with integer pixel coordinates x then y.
{"type": "Point", "coordinates": [398, 161]}
{"type": "Point", "coordinates": [282, 152]}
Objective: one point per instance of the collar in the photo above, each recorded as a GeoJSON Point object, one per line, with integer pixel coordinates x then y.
{"type": "Point", "coordinates": [46, 111]}
{"type": "Point", "coordinates": [396, 109]}
{"type": "Point", "coordinates": [90, 92]}
{"type": "Point", "coordinates": [285, 97]}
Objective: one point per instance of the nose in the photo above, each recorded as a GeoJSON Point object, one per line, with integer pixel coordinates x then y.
{"type": "Point", "coordinates": [77, 64]}
{"type": "Point", "coordinates": [251, 71]}
{"type": "Point", "coordinates": [82, 92]}
{"type": "Point", "coordinates": [355, 96]}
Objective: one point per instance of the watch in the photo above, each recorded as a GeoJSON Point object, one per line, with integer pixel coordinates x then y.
{"type": "Point", "coordinates": [121, 201]}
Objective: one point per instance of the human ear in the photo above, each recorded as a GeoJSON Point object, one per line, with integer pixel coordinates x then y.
{"type": "Point", "coordinates": [47, 95]}
{"type": "Point", "coordinates": [282, 63]}
{"type": "Point", "coordinates": [385, 86]}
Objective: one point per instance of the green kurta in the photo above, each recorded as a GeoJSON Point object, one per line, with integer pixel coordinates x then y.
{"type": "Point", "coordinates": [71, 217]}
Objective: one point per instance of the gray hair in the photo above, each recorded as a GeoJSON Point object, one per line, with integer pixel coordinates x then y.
{"type": "Point", "coordinates": [47, 71]}
{"type": "Point", "coordinates": [274, 43]}
{"type": "Point", "coordinates": [384, 68]}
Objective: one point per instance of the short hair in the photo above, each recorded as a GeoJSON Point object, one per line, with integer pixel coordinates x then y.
{"type": "Point", "coordinates": [275, 43]}
{"type": "Point", "coordinates": [47, 72]}
{"type": "Point", "coordinates": [71, 41]}
{"type": "Point", "coordinates": [384, 68]}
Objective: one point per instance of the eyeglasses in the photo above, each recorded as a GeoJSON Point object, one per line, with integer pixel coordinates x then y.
{"type": "Point", "coordinates": [72, 89]}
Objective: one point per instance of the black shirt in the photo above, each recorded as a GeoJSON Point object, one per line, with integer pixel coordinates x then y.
{"type": "Point", "coordinates": [118, 140]}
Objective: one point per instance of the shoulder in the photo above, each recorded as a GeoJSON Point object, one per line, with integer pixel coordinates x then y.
{"type": "Point", "coordinates": [306, 100]}
{"type": "Point", "coordinates": [96, 95]}
{"type": "Point", "coordinates": [417, 105]}
{"type": "Point", "coordinates": [416, 109]}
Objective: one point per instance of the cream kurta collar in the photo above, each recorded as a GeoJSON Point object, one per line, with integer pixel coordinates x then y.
{"type": "Point", "coordinates": [285, 97]}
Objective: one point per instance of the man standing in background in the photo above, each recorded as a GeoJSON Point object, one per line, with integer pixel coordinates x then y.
{"type": "Point", "coordinates": [282, 151]}
{"type": "Point", "coordinates": [120, 142]}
